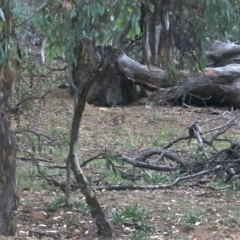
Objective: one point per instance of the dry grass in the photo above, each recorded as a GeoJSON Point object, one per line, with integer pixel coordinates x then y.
{"type": "Point", "coordinates": [179, 213]}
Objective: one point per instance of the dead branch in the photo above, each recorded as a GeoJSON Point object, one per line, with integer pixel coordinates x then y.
{"type": "Point", "coordinates": [36, 159]}
{"type": "Point", "coordinates": [46, 234]}
{"type": "Point", "coordinates": [163, 153]}
{"type": "Point", "coordinates": [15, 109]}
{"type": "Point", "coordinates": [136, 163]}
{"type": "Point", "coordinates": [98, 156]}
{"type": "Point", "coordinates": [182, 166]}
{"type": "Point", "coordinates": [156, 186]}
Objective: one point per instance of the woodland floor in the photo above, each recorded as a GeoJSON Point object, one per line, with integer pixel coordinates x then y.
{"type": "Point", "coordinates": [168, 212]}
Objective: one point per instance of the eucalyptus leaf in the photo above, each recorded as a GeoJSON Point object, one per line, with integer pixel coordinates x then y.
{"type": "Point", "coordinates": [2, 15]}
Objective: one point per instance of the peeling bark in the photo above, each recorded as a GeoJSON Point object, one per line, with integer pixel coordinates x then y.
{"type": "Point", "coordinates": [158, 42]}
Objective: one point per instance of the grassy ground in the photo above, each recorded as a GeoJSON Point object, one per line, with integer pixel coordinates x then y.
{"type": "Point", "coordinates": [182, 212]}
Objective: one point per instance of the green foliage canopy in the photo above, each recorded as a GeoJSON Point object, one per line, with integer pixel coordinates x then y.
{"type": "Point", "coordinates": [100, 21]}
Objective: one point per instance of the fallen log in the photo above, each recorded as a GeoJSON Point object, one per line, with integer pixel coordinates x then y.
{"type": "Point", "coordinates": [216, 86]}
{"type": "Point", "coordinates": [149, 76]}
{"type": "Point", "coordinates": [221, 54]}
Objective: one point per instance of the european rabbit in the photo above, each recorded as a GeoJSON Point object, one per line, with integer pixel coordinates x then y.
{"type": "Point", "coordinates": [120, 119]}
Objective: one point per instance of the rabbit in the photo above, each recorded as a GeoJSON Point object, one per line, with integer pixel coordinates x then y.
{"type": "Point", "coordinates": [119, 119]}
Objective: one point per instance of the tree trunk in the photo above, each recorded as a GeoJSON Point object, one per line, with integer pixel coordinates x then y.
{"type": "Point", "coordinates": [89, 74]}
{"type": "Point", "coordinates": [158, 42]}
{"type": "Point", "coordinates": [104, 226]}
{"type": "Point", "coordinates": [8, 192]}
{"type": "Point", "coordinates": [84, 74]}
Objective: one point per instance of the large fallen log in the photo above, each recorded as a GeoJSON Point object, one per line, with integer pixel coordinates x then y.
{"type": "Point", "coordinates": [221, 54]}
{"type": "Point", "coordinates": [216, 86]}
{"type": "Point", "coordinates": [125, 80]}
{"type": "Point", "coordinates": [149, 76]}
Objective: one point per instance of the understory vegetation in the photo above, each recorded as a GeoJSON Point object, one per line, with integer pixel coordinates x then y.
{"type": "Point", "coordinates": [158, 171]}
{"type": "Point", "coordinates": [171, 211]}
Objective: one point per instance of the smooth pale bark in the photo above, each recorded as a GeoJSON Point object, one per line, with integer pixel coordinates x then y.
{"type": "Point", "coordinates": [158, 41]}
{"type": "Point", "coordinates": [149, 76]}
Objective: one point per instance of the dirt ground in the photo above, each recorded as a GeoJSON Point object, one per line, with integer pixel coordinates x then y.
{"type": "Point", "coordinates": [145, 127]}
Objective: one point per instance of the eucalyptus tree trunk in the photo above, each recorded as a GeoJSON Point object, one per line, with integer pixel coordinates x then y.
{"type": "Point", "coordinates": [158, 42]}
{"type": "Point", "coordinates": [8, 192]}
{"type": "Point", "coordinates": [83, 73]}
{"type": "Point", "coordinates": [87, 70]}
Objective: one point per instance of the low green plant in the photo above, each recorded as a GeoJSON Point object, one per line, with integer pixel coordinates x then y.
{"type": "Point", "coordinates": [133, 211]}
{"type": "Point", "coordinates": [219, 183]}
{"type": "Point", "coordinates": [57, 202]}
{"type": "Point", "coordinates": [143, 225]}
{"type": "Point", "coordinates": [131, 214]}
{"type": "Point", "coordinates": [80, 207]}
{"type": "Point", "coordinates": [192, 218]}
{"type": "Point", "coordinates": [186, 227]}
{"type": "Point", "coordinates": [229, 195]}
{"type": "Point", "coordinates": [236, 183]}
{"type": "Point", "coordinates": [119, 218]}
{"type": "Point", "coordinates": [152, 119]}
{"type": "Point", "coordinates": [174, 174]}
{"type": "Point", "coordinates": [27, 179]}
{"type": "Point", "coordinates": [233, 222]}
{"type": "Point", "coordinates": [200, 157]}
{"type": "Point", "coordinates": [139, 236]}
{"type": "Point", "coordinates": [114, 178]}
{"type": "Point", "coordinates": [158, 140]}
{"type": "Point", "coordinates": [175, 217]}
{"type": "Point", "coordinates": [156, 177]}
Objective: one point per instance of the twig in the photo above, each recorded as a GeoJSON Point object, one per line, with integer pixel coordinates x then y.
{"type": "Point", "coordinates": [98, 156]}
{"type": "Point", "coordinates": [39, 135]}
{"type": "Point", "coordinates": [136, 163]}
{"type": "Point", "coordinates": [16, 107]}
{"type": "Point", "coordinates": [38, 159]}
{"type": "Point", "coordinates": [46, 234]}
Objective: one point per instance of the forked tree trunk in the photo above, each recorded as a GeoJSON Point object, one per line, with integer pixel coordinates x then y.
{"type": "Point", "coordinates": [85, 74]}
{"type": "Point", "coordinates": [8, 192]}
{"type": "Point", "coordinates": [104, 226]}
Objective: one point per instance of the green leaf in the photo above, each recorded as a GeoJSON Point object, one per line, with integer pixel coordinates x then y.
{"type": "Point", "coordinates": [88, 10]}
{"type": "Point", "coordinates": [73, 13]}
{"type": "Point", "coordinates": [2, 15]}
{"type": "Point", "coordinates": [2, 53]}
{"type": "Point", "coordinates": [151, 7]}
